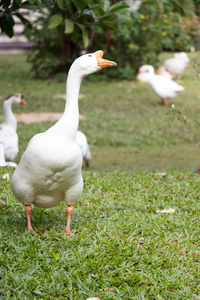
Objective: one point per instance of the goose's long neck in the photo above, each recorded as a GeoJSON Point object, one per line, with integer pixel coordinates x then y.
{"type": "Point", "coordinates": [9, 117]}
{"type": "Point", "coordinates": [70, 118]}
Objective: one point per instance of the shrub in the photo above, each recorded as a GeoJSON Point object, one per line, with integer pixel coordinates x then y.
{"type": "Point", "coordinates": [139, 37]}
{"type": "Point", "coordinates": [63, 29]}
{"type": "Point", "coordinates": [133, 39]}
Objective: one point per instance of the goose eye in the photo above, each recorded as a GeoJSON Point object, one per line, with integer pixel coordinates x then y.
{"type": "Point", "coordinates": [89, 55]}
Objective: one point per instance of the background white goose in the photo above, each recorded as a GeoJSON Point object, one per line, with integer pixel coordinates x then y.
{"type": "Point", "coordinates": [50, 168]}
{"type": "Point", "coordinates": [163, 86]}
{"type": "Point", "coordinates": [8, 131]}
{"type": "Point", "coordinates": [162, 71]}
{"type": "Point", "coordinates": [81, 140]}
{"type": "Point", "coordinates": [177, 64]}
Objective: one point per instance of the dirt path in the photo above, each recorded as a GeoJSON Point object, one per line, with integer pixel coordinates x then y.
{"type": "Point", "coordinates": [30, 118]}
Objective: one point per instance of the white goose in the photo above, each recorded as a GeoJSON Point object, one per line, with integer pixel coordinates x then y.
{"type": "Point", "coordinates": [162, 71]}
{"type": "Point", "coordinates": [81, 140]}
{"type": "Point", "coordinates": [49, 173]}
{"type": "Point", "coordinates": [163, 86]}
{"type": "Point", "coordinates": [8, 131]}
{"type": "Point", "coordinates": [177, 64]}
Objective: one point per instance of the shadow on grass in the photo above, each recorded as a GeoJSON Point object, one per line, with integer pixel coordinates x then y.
{"type": "Point", "coordinates": [42, 220]}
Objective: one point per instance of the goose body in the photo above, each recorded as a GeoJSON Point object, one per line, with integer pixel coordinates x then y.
{"type": "Point", "coordinates": [49, 173]}
{"type": "Point", "coordinates": [8, 131]}
{"type": "Point", "coordinates": [49, 176]}
{"type": "Point", "coordinates": [81, 140]}
{"type": "Point", "coordinates": [162, 71]}
{"type": "Point", "coordinates": [177, 64]}
{"type": "Point", "coordinates": [164, 87]}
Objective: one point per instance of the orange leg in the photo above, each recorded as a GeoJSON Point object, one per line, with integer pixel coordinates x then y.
{"type": "Point", "coordinates": [69, 214]}
{"type": "Point", "coordinates": [28, 215]}
{"type": "Point", "coordinates": [166, 101]}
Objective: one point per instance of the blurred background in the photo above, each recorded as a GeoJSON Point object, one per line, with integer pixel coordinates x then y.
{"type": "Point", "coordinates": [126, 126]}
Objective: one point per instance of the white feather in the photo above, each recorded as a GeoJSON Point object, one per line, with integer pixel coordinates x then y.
{"type": "Point", "coordinates": [81, 139]}
{"type": "Point", "coordinates": [177, 64]}
{"type": "Point", "coordinates": [163, 86]}
{"type": "Point", "coordinates": [50, 169]}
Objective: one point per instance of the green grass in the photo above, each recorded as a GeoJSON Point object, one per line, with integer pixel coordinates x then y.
{"type": "Point", "coordinates": [122, 248]}
{"type": "Point", "coordinates": [120, 115]}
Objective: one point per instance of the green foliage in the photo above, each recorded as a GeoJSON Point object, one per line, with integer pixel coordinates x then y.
{"type": "Point", "coordinates": [176, 114]}
{"type": "Point", "coordinates": [9, 9]}
{"type": "Point", "coordinates": [139, 37]}
{"type": "Point", "coordinates": [132, 39]}
{"type": "Point", "coordinates": [64, 28]}
{"type": "Point", "coordinates": [184, 6]}
{"type": "Point", "coordinates": [54, 21]}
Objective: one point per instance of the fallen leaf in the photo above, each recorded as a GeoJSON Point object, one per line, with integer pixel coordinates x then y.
{"type": "Point", "coordinates": [6, 176]}
{"type": "Point", "coordinates": [159, 174]}
{"type": "Point", "coordinates": [93, 298]}
{"type": "Point", "coordinates": [38, 293]}
{"type": "Point", "coordinates": [108, 289]}
{"type": "Point", "coordinates": [166, 211]}
{"type": "Point", "coordinates": [140, 243]}
{"type": "Point", "coordinates": [55, 256]}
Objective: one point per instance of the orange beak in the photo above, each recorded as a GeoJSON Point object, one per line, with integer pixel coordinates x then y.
{"type": "Point", "coordinates": [103, 63]}
{"type": "Point", "coordinates": [22, 101]}
{"type": "Point", "coordinates": [139, 71]}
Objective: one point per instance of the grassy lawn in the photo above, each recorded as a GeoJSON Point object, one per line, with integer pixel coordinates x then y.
{"type": "Point", "coordinates": [122, 117]}
{"type": "Point", "coordinates": [123, 248]}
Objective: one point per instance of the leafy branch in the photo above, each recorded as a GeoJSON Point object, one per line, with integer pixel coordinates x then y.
{"type": "Point", "coordinates": [177, 114]}
{"type": "Point", "coordinates": [9, 9]}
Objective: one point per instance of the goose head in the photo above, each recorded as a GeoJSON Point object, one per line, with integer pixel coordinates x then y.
{"type": "Point", "coordinates": [15, 98]}
{"type": "Point", "coordinates": [145, 73]}
{"type": "Point", "coordinates": [91, 63]}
